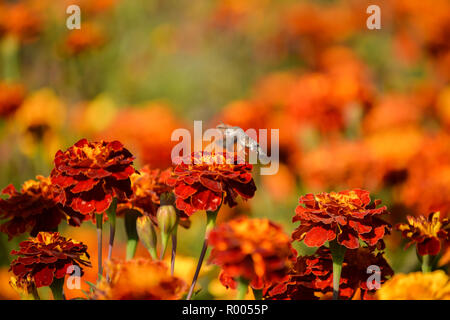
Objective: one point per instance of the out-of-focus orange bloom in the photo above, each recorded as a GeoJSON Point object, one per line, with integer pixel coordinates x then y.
{"type": "Point", "coordinates": [254, 249]}
{"type": "Point", "coordinates": [443, 106]}
{"type": "Point", "coordinates": [393, 110]}
{"type": "Point", "coordinates": [139, 279]}
{"type": "Point", "coordinates": [427, 233]}
{"type": "Point", "coordinates": [427, 186]}
{"type": "Point", "coordinates": [91, 117]}
{"type": "Point", "coordinates": [11, 97]}
{"type": "Point", "coordinates": [281, 185]}
{"type": "Point", "coordinates": [341, 165]}
{"type": "Point", "coordinates": [245, 114]}
{"type": "Point", "coordinates": [39, 120]}
{"type": "Point", "coordinates": [316, 26]}
{"type": "Point", "coordinates": [147, 132]}
{"type": "Point", "coordinates": [392, 149]}
{"type": "Point", "coordinates": [350, 77]}
{"type": "Point", "coordinates": [20, 21]}
{"type": "Point", "coordinates": [6, 291]}
{"type": "Point", "coordinates": [416, 286]}
{"type": "Point", "coordinates": [89, 37]}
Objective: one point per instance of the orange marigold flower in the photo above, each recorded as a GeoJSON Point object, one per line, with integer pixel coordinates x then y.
{"type": "Point", "coordinates": [46, 257]}
{"type": "Point", "coordinates": [205, 181]}
{"type": "Point", "coordinates": [255, 249]}
{"type": "Point", "coordinates": [312, 276]}
{"type": "Point", "coordinates": [34, 209]}
{"type": "Point", "coordinates": [139, 279]}
{"type": "Point", "coordinates": [427, 233]}
{"type": "Point", "coordinates": [150, 144]}
{"type": "Point", "coordinates": [84, 39]}
{"type": "Point", "coordinates": [347, 216]}
{"type": "Point", "coordinates": [11, 97]}
{"type": "Point", "coordinates": [20, 21]}
{"type": "Point", "coordinates": [91, 174]}
{"type": "Point", "coordinates": [148, 185]}
{"type": "Point", "coordinates": [416, 286]}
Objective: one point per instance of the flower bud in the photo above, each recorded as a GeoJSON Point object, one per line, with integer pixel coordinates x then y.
{"type": "Point", "coordinates": [147, 234]}
{"type": "Point", "coordinates": [167, 220]}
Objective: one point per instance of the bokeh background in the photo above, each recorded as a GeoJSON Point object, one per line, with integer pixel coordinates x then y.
{"type": "Point", "coordinates": [356, 108]}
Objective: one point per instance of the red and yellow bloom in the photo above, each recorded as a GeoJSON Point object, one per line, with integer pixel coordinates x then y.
{"type": "Point", "coordinates": [427, 233]}
{"type": "Point", "coordinates": [312, 276]}
{"type": "Point", "coordinates": [34, 209]}
{"type": "Point", "coordinates": [207, 180]}
{"type": "Point", "coordinates": [254, 249]}
{"type": "Point", "coordinates": [47, 257]}
{"type": "Point", "coordinates": [91, 174]}
{"type": "Point", "coordinates": [347, 216]}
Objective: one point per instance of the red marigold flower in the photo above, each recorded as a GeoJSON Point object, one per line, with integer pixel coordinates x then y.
{"type": "Point", "coordinates": [312, 276]}
{"type": "Point", "coordinates": [91, 174]}
{"type": "Point", "coordinates": [34, 209]}
{"type": "Point", "coordinates": [11, 97]}
{"type": "Point", "coordinates": [427, 233]}
{"type": "Point", "coordinates": [139, 279]}
{"type": "Point", "coordinates": [254, 249]}
{"type": "Point", "coordinates": [148, 185]}
{"type": "Point", "coordinates": [46, 257]}
{"type": "Point", "coordinates": [208, 180]}
{"type": "Point", "coordinates": [346, 216]}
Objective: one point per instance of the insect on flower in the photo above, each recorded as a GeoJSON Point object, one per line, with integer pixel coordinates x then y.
{"type": "Point", "coordinates": [236, 134]}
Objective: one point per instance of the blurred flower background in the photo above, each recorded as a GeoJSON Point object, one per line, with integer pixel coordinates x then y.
{"type": "Point", "coordinates": [356, 108]}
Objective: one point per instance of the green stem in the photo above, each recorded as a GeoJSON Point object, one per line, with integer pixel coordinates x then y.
{"type": "Point", "coordinates": [242, 288]}
{"type": "Point", "coordinates": [35, 293]}
{"type": "Point", "coordinates": [337, 254]}
{"type": "Point", "coordinates": [99, 220]}
{"type": "Point", "coordinates": [427, 263]}
{"type": "Point", "coordinates": [112, 226]}
{"type": "Point", "coordinates": [211, 217]}
{"type": "Point", "coordinates": [174, 249]}
{"type": "Point", "coordinates": [132, 235]}
{"type": "Point", "coordinates": [258, 293]}
{"type": "Point", "coordinates": [57, 287]}
{"type": "Point", "coordinates": [10, 58]}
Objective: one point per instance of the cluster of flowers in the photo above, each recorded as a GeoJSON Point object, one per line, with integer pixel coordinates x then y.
{"type": "Point", "coordinates": [94, 180]}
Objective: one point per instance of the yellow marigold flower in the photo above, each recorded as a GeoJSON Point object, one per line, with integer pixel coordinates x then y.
{"type": "Point", "coordinates": [416, 286]}
{"type": "Point", "coordinates": [139, 279]}
{"type": "Point", "coordinates": [427, 232]}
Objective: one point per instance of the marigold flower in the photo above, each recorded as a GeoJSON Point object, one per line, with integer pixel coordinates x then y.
{"type": "Point", "coordinates": [34, 209]}
{"type": "Point", "coordinates": [139, 279]}
{"type": "Point", "coordinates": [346, 216]}
{"type": "Point", "coordinates": [254, 249]}
{"type": "Point", "coordinates": [91, 174]}
{"type": "Point", "coordinates": [11, 97]}
{"type": "Point", "coordinates": [148, 185]}
{"type": "Point", "coordinates": [427, 186]}
{"type": "Point", "coordinates": [46, 257]}
{"type": "Point", "coordinates": [20, 21]}
{"type": "Point", "coordinates": [416, 286]}
{"type": "Point", "coordinates": [151, 144]}
{"type": "Point", "coordinates": [312, 276]}
{"type": "Point", "coordinates": [209, 181]}
{"type": "Point", "coordinates": [427, 233]}
{"type": "Point", "coordinates": [81, 40]}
